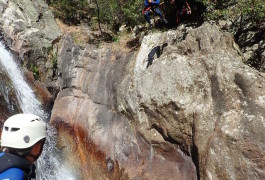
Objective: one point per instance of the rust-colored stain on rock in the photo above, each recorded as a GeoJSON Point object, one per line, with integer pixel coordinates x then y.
{"type": "Point", "coordinates": [92, 162]}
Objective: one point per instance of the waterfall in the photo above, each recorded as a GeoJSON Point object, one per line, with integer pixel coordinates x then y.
{"type": "Point", "coordinates": [48, 165]}
{"type": "Point", "coordinates": [26, 98]}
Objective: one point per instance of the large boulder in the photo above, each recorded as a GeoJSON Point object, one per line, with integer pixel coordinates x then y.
{"type": "Point", "coordinates": [201, 96]}
{"type": "Point", "coordinates": [195, 105]}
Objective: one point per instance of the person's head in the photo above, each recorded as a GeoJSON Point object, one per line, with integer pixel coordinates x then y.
{"type": "Point", "coordinates": [24, 135]}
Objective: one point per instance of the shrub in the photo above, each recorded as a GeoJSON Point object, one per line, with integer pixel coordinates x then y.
{"type": "Point", "coordinates": [224, 9]}
{"type": "Point", "coordinates": [112, 12]}
{"type": "Point", "coordinates": [133, 12]}
{"type": "Point", "coordinates": [117, 12]}
{"type": "Point", "coordinates": [70, 11]}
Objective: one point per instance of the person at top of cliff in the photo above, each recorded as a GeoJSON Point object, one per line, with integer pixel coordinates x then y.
{"type": "Point", "coordinates": [22, 140]}
{"type": "Point", "coordinates": [152, 6]}
{"type": "Point", "coordinates": [182, 7]}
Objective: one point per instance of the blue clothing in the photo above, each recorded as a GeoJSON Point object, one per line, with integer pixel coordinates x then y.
{"type": "Point", "coordinates": [157, 11]}
{"type": "Point", "coordinates": [11, 173]}
{"type": "Point", "coordinates": [154, 7]}
{"type": "Point", "coordinates": [154, 2]}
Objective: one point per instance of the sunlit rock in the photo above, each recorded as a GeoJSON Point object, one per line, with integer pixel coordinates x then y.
{"type": "Point", "coordinates": [196, 105]}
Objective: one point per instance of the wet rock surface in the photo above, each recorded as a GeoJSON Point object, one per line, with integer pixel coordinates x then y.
{"type": "Point", "coordinates": [8, 101]}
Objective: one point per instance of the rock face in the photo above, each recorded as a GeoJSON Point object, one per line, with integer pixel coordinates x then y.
{"type": "Point", "coordinates": [106, 142]}
{"type": "Point", "coordinates": [250, 36]}
{"type": "Point", "coordinates": [30, 30]}
{"type": "Point", "coordinates": [196, 105]}
{"type": "Point", "coordinates": [252, 43]}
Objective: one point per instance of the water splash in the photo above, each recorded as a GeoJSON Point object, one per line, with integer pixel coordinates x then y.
{"type": "Point", "coordinates": [48, 165]}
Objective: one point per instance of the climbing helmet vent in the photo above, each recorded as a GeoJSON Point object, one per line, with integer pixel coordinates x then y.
{"type": "Point", "coordinates": [35, 120]}
{"type": "Point", "coordinates": [14, 129]}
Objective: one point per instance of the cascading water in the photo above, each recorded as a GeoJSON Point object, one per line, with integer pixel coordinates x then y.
{"type": "Point", "coordinates": [48, 165]}
{"type": "Point", "coordinates": [9, 104]}
{"type": "Point", "coordinates": [25, 95]}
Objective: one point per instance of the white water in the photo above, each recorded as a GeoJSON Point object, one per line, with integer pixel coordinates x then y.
{"type": "Point", "coordinates": [48, 165]}
{"type": "Point", "coordinates": [27, 100]}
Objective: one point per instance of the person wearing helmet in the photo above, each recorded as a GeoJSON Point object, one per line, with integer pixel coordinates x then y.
{"type": "Point", "coordinates": [152, 5]}
{"type": "Point", "coordinates": [22, 140]}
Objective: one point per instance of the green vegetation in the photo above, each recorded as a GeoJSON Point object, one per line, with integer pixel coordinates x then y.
{"type": "Point", "coordinates": [53, 56]}
{"type": "Point", "coordinates": [55, 61]}
{"type": "Point", "coordinates": [253, 10]}
{"type": "Point", "coordinates": [117, 12]}
{"type": "Point", "coordinates": [113, 13]}
{"type": "Point", "coordinates": [116, 39]}
{"type": "Point", "coordinates": [35, 71]}
{"type": "Point", "coordinates": [70, 11]}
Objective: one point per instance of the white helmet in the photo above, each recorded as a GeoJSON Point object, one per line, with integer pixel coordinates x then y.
{"type": "Point", "coordinates": [22, 131]}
